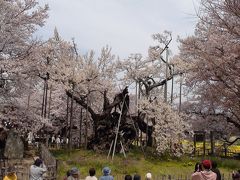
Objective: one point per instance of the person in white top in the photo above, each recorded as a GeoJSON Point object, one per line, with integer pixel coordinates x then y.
{"type": "Point", "coordinates": [148, 176]}
{"type": "Point", "coordinates": [30, 137]}
{"type": "Point", "coordinates": [37, 170]}
{"type": "Point", "coordinates": [53, 139]}
{"type": "Point", "coordinates": [58, 141]}
{"type": "Point", "coordinates": [91, 176]}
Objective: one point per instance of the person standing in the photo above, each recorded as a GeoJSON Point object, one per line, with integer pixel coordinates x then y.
{"type": "Point", "coordinates": [37, 170]}
{"type": "Point", "coordinates": [53, 139]}
{"type": "Point", "coordinates": [92, 173]}
{"type": "Point", "coordinates": [216, 170]}
{"type": "Point", "coordinates": [148, 176]}
{"type": "Point", "coordinates": [128, 177]}
{"type": "Point", "coordinates": [11, 174]}
{"type": "Point", "coordinates": [58, 142]}
{"type": "Point", "coordinates": [236, 175]}
{"type": "Point", "coordinates": [106, 174]}
{"type": "Point", "coordinates": [74, 174]}
{"type": "Point", "coordinates": [30, 137]}
{"type": "Point", "coordinates": [206, 173]}
{"type": "Point", "coordinates": [136, 177]}
{"type": "Point", "coordinates": [198, 167]}
{"type": "Point", "coordinates": [67, 174]}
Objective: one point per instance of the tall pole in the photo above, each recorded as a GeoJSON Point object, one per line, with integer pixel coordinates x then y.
{"type": "Point", "coordinates": [67, 110]}
{"type": "Point", "coordinates": [43, 99]}
{"type": "Point", "coordinates": [71, 119]}
{"type": "Point", "coordinates": [136, 103]}
{"type": "Point", "coordinates": [166, 76]}
{"type": "Point", "coordinates": [86, 125]}
{"type": "Point", "coordinates": [136, 96]}
{"type": "Point", "coordinates": [139, 96]}
{"type": "Point", "coordinates": [80, 127]}
{"type": "Point", "coordinates": [180, 95]}
{"type": "Point", "coordinates": [46, 96]}
{"type": "Point", "coordinates": [172, 85]}
{"type": "Point", "coordinates": [50, 102]}
{"type": "Point", "coordinates": [118, 126]}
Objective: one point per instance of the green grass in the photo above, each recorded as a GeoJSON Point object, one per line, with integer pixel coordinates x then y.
{"type": "Point", "coordinates": [134, 163]}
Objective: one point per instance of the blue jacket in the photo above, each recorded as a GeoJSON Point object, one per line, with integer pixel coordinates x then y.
{"type": "Point", "coordinates": [106, 174]}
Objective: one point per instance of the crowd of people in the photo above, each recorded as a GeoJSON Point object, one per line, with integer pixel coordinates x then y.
{"type": "Point", "coordinates": [206, 170]}
{"type": "Point", "coordinates": [36, 171]}
{"type": "Point", "coordinates": [74, 174]}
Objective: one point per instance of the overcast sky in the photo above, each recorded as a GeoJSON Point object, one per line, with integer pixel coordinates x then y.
{"type": "Point", "coordinates": [125, 25]}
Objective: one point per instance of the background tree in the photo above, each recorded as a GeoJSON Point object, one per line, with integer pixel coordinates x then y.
{"type": "Point", "coordinates": [151, 74]}
{"type": "Point", "coordinates": [170, 127]}
{"type": "Point", "coordinates": [212, 58]}
{"type": "Point", "coordinates": [19, 19]}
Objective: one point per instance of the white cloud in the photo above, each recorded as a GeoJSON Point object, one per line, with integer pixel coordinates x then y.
{"type": "Point", "coordinates": [125, 25]}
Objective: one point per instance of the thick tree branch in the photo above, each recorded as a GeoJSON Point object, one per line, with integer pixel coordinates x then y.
{"type": "Point", "coordinates": [82, 103]}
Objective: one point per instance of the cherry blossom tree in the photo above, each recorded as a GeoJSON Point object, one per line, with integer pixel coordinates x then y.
{"type": "Point", "coordinates": [19, 19]}
{"type": "Point", "coordinates": [212, 59]}
{"type": "Point", "coordinates": [152, 74]}
{"type": "Point", "coordinates": [149, 72]}
{"type": "Point", "coordinates": [170, 127]}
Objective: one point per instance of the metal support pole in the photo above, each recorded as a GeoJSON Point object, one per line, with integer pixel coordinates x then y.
{"type": "Point", "coordinates": [109, 152]}
{"type": "Point", "coordinates": [45, 102]}
{"type": "Point", "coordinates": [119, 120]}
{"type": "Point", "coordinates": [123, 149]}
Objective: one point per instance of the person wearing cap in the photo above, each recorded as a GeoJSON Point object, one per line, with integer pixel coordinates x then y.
{"type": "Point", "coordinates": [37, 170]}
{"type": "Point", "coordinates": [148, 176]}
{"type": "Point", "coordinates": [11, 175]}
{"type": "Point", "coordinates": [106, 174]}
{"type": "Point", "coordinates": [206, 173]}
{"type": "Point", "coordinates": [74, 174]}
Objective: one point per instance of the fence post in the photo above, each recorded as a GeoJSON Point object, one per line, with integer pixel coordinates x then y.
{"type": "Point", "coordinates": [169, 177]}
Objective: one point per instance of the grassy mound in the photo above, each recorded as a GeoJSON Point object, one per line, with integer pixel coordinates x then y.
{"type": "Point", "coordinates": [134, 163]}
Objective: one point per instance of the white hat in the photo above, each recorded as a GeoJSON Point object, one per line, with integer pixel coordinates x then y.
{"type": "Point", "coordinates": [148, 176]}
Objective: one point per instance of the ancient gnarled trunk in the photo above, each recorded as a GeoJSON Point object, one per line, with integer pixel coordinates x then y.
{"type": "Point", "coordinates": [105, 123]}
